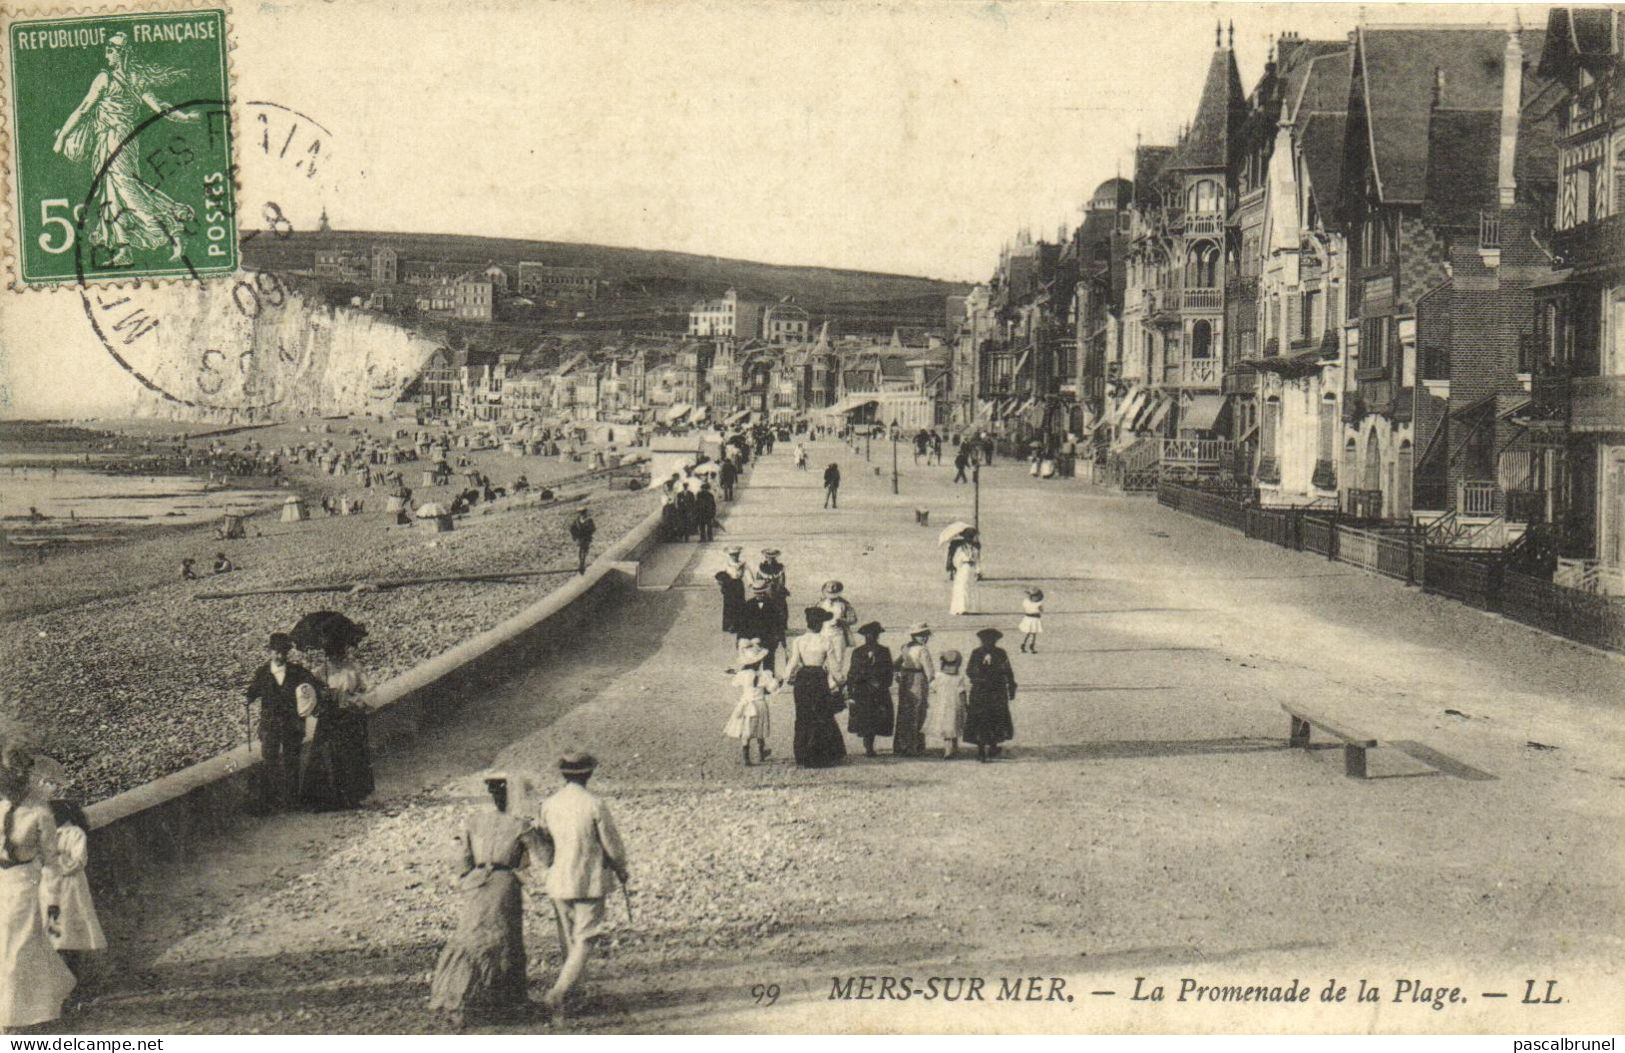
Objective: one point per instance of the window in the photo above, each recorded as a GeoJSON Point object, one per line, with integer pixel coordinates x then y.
{"type": "Point", "coordinates": [1306, 315]}
{"type": "Point", "coordinates": [1203, 197]}
{"type": "Point", "coordinates": [1374, 343]}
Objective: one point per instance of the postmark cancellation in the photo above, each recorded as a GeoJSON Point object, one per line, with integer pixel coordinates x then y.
{"type": "Point", "coordinates": [118, 145]}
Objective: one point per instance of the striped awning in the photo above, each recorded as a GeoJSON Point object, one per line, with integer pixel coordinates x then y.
{"type": "Point", "coordinates": [677, 412]}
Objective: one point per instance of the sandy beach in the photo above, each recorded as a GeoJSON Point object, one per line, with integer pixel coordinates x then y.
{"type": "Point", "coordinates": [124, 670]}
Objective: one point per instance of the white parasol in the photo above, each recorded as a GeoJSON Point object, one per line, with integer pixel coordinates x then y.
{"type": "Point", "coordinates": [953, 530]}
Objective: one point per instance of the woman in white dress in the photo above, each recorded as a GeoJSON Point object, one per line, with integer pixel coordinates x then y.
{"type": "Point", "coordinates": [967, 566]}
{"type": "Point", "coordinates": [33, 980]}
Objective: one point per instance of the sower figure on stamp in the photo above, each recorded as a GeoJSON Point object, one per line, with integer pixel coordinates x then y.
{"type": "Point", "coordinates": [587, 859]}
{"type": "Point", "coordinates": [282, 729]}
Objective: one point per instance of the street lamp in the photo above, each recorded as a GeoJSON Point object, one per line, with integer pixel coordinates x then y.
{"type": "Point", "coordinates": [976, 490]}
{"type": "Point", "coordinates": [894, 456]}
{"type": "Point", "coordinates": [868, 433]}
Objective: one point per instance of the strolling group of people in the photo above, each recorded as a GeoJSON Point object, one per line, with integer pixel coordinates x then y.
{"type": "Point", "coordinates": [312, 725]}
{"type": "Point", "coordinates": [482, 970]}
{"type": "Point", "coordinates": [939, 701]}
{"type": "Point", "coordinates": [48, 922]}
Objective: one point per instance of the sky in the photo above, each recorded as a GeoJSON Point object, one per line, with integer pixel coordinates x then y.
{"type": "Point", "coordinates": [913, 137]}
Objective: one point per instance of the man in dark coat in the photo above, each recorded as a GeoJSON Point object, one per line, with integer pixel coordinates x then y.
{"type": "Point", "coordinates": [728, 475]}
{"type": "Point", "coordinates": [582, 528]}
{"type": "Point", "coordinates": [992, 686]}
{"type": "Point", "coordinates": [832, 485]}
{"type": "Point", "coordinates": [961, 462]}
{"type": "Point", "coordinates": [685, 512]}
{"type": "Point", "coordinates": [705, 512]}
{"type": "Point", "coordinates": [282, 730]}
{"type": "Point", "coordinates": [761, 620]}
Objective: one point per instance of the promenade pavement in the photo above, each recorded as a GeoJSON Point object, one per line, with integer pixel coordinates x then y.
{"type": "Point", "coordinates": [1148, 826]}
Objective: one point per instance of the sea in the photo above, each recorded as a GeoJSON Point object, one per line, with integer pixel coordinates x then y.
{"type": "Point", "coordinates": [80, 504]}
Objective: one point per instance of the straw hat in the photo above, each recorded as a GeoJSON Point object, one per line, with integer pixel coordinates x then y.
{"type": "Point", "coordinates": [577, 762]}
{"type": "Point", "coordinates": [949, 657]}
{"type": "Point", "coordinates": [919, 629]}
{"type": "Point", "coordinates": [771, 553]}
{"type": "Point", "coordinates": [751, 651]}
{"type": "Point", "coordinates": [734, 550]}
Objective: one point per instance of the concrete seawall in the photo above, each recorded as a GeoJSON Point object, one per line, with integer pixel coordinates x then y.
{"type": "Point", "coordinates": [163, 821]}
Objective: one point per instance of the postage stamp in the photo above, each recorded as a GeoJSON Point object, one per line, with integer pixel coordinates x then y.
{"type": "Point", "coordinates": [120, 146]}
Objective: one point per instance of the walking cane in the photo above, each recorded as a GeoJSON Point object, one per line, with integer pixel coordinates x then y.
{"type": "Point", "coordinates": [248, 725]}
{"type": "Point", "coordinates": [626, 894]}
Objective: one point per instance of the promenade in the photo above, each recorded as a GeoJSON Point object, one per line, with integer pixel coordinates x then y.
{"type": "Point", "coordinates": [1148, 821]}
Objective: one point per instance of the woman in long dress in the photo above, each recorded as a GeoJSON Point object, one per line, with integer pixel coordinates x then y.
{"type": "Point", "coordinates": [915, 670]}
{"type": "Point", "coordinates": [843, 616]}
{"type": "Point", "coordinates": [129, 213]}
{"type": "Point", "coordinates": [338, 767]}
{"type": "Point", "coordinates": [816, 675]}
{"type": "Point", "coordinates": [868, 683]}
{"type": "Point", "coordinates": [967, 565]}
{"type": "Point", "coordinates": [482, 967]}
{"type": "Point", "coordinates": [33, 981]}
{"type": "Point", "coordinates": [992, 686]}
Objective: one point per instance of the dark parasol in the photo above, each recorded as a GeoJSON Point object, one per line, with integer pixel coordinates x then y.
{"type": "Point", "coordinates": [326, 630]}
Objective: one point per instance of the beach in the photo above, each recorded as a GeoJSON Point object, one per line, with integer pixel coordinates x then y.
{"type": "Point", "coordinates": [126, 672]}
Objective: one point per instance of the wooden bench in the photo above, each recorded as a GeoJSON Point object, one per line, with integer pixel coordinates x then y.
{"type": "Point", "coordinates": [1355, 743]}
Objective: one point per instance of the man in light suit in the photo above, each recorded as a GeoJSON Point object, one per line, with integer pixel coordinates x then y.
{"type": "Point", "coordinates": [587, 859]}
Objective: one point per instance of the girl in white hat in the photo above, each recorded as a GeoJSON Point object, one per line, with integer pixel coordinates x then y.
{"type": "Point", "coordinates": [750, 720]}
{"type": "Point", "coordinates": [950, 698]}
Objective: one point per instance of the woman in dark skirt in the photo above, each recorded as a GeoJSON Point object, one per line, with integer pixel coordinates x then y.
{"type": "Point", "coordinates": [915, 671]}
{"type": "Point", "coordinates": [992, 686]}
{"type": "Point", "coordinates": [337, 768]}
{"type": "Point", "coordinates": [868, 683]}
{"type": "Point", "coordinates": [814, 673]}
{"type": "Point", "coordinates": [482, 968]}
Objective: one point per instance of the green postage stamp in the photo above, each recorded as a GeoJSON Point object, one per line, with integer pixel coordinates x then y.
{"type": "Point", "coordinates": [119, 146]}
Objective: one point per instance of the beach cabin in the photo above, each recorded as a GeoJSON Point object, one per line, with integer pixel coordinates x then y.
{"type": "Point", "coordinates": [294, 509]}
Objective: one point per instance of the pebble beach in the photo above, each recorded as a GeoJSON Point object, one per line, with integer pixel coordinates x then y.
{"type": "Point", "coordinates": [127, 672]}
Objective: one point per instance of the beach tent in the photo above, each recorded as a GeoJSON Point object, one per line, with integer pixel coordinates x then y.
{"type": "Point", "coordinates": [231, 526]}
{"type": "Point", "coordinates": [294, 509]}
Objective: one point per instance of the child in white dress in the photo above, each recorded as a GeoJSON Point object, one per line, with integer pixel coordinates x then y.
{"type": "Point", "coordinates": [751, 717]}
{"type": "Point", "coordinates": [70, 914]}
{"type": "Point", "coordinates": [950, 698]}
{"type": "Point", "coordinates": [1032, 621]}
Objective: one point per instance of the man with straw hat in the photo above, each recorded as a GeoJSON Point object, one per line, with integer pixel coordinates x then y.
{"type": "Point", "coordinates": [588, 857]}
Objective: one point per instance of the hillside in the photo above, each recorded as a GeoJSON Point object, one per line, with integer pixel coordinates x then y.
{"type": "Point", "coordinates": [653, 287]}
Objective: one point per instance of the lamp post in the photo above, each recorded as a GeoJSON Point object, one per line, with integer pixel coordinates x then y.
{"type": "Point", "coordinates": [894, 456]}
{"type": "Point", "coordinates": [868, 433]}
{"type": "Point", "coordinates": [976, 491]}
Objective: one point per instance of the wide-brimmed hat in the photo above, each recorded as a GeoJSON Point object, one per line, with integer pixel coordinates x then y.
{"type": "Point", "coordinates": [833, 588]}
{"type": "Point", "coordinates": [751, 651]}
{"type": "Point", "coordinates": [871, 629]}
{"type": "Point", "coordinates": [989, 635]}
{"type": "Point", "coordinates": [949, 657]}
{"type": "Point", "coordinates": [577, 762]}
{"type": "Point", "coordinates": [1035, 593]}
{"type": "Point", "coordinates": [919, 629]}
{"type": "Point", "coordinates": [734, 550]}
{"type": "Point", "coordinates": [817, 616]}
{"type": "Point", "coordinates": [771, 553]}
{"type": "Point", "coordinates": [279, 642]}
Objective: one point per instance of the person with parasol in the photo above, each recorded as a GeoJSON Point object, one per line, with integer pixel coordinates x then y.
{"type": "Point", "coordinates": [336, 771]}
{"type": "Point", "coordinates": [965, 557]}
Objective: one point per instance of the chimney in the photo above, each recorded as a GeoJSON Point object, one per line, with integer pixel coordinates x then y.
{"type": "Point", "coordinates": [1506, 183]}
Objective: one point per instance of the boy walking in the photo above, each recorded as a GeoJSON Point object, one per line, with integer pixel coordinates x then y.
{"type": "Point", "coordinates": [582, 528]}
{"type": "Point", "coordinates": [587, 858]}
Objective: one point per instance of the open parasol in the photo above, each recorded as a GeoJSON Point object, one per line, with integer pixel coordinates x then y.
{"type": "Point", "coordinates": [953, 530]}
{"type": "Point", "coordinates": [321, 630]}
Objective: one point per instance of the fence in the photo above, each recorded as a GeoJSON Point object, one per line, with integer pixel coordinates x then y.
{"type": "Point", "coordinates": [1482, 578]}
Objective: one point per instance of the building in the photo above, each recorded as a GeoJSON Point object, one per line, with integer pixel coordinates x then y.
{"type": "Point", "coordinates": [727, 316]}
{"type": "Point", "coordinates": [1288, 416]}
{"type": "Point", "coordinates": [344, 265]}
{"type": "Point", "coordinates": [1099, 247]}
{"type": "Point", "coordinates": [786, 323]}
{"type": "Point", "coordinates": [555, 284]}
{"type": "Point", "coordinates": [1439, 191]}
{"type": "Point", "coordinates": [1577, 418]}
{"type": "Point", "coordinates": [474, 298]}
{"type": "Point", "coordinates": [386, 265]}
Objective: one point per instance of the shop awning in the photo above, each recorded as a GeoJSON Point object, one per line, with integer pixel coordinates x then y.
{"type": "Point", "coordinates": [1558, 277]}
{"type": "Point", "coordinates": [1200, 413]}
{"type": "Point", "coordinates": [1477, 406]}
{"type": "Point", "coordinates": [703, 413]}
{"type": "Point", "coordinates": [677, 412]}
{"type": "Point", "coordinates": [1034, 413]}
{"type": "Point", "coordinates": [739, 418]}
{"type": "Point", "coordinates": [1517, 410]}
{"type": "Point", "coordinates": [1129, 407]}
{"type": "Point", "coordinates": [1155, 418]}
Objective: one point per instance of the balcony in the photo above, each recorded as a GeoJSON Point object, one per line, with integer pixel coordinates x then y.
{"type": "Point", "coordinates": [1477, 498]}
{"type": "Point", "coordinates": [1201, 373]}
{"type": "Point", "coordinates": [1591, 245]}
{"type": "Point", "coordinates": [1203, 300]}
{"type": "Point", "coordinates": [1204, 224]}
{"type": "Point", "coordinates": [1596, 404]}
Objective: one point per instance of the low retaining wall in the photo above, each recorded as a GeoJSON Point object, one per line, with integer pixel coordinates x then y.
{"type": "Point", "coordinates": [164, 820]}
